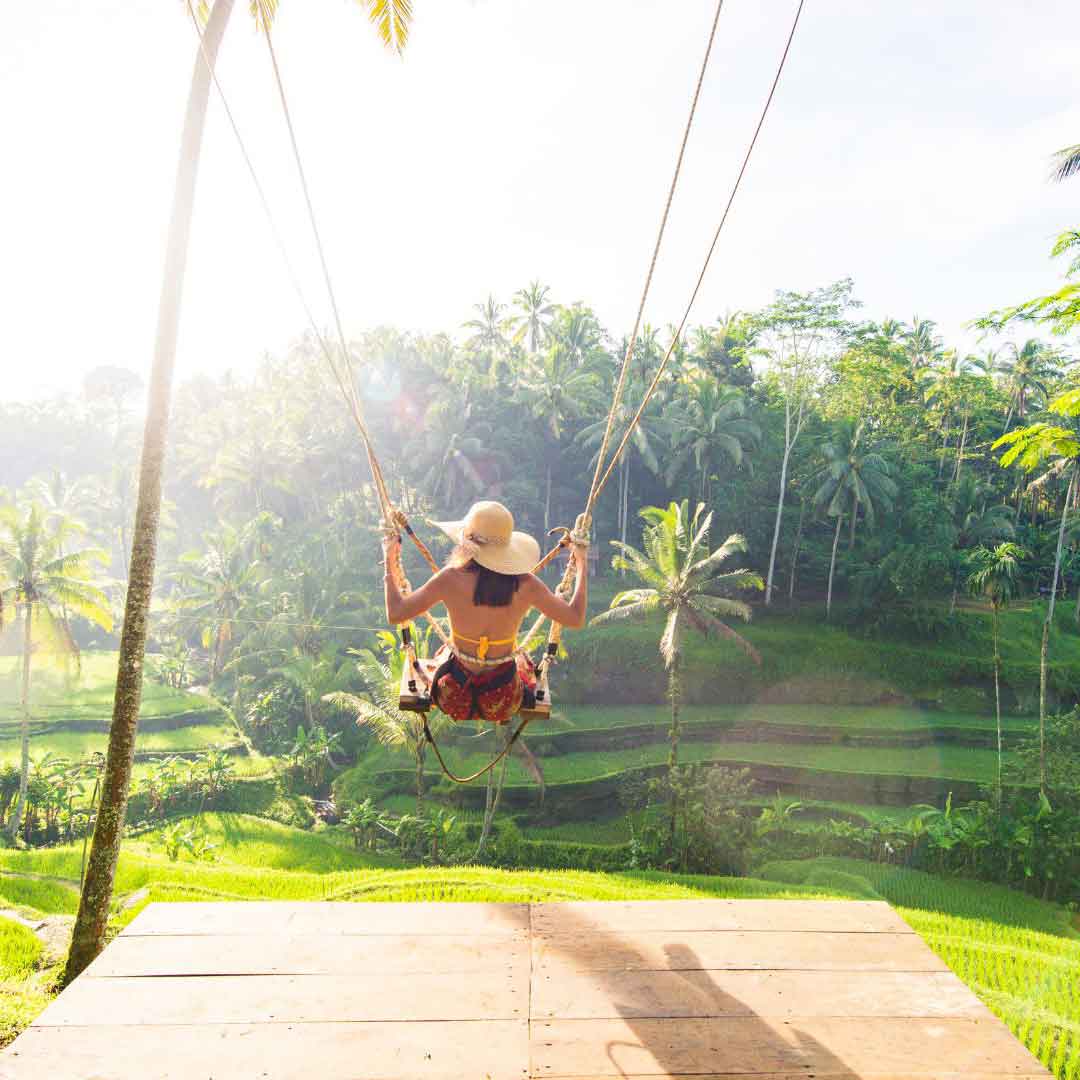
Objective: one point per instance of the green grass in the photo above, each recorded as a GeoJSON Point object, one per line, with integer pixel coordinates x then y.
{"type": "Point", "coordinates": [830, 662]}
{"type": "Point", "coordinates": [243, 840]}
{"type": "Point", "coordinates": [50, 897]}
{"type": "Point", "coordinates": [947, 762]}
{"type": "Point", "coordinates": [1017, 953]}
{"type": "Point", "coordinates": [20, 949]}
{"type": "Point", "coordinates": [23, 993]}
{"type": "Point", "coordinates": [875, 718]}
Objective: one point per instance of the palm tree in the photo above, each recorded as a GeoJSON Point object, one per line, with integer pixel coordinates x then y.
{"type": "Point", "coordinates": [683, 581]}
{"type": "Point", "coordinates": [1066, 163]}
{"type": "Point", "coordinates": [489, 327]}
{"type": "Point", "coordinates": [853, 478]}
{"type": "Point", "coordinates": [391, 19]}
{"type": "Point", "coordinates": [535, 317]}
{"type": "Point", "coordinates": [555, 392]}
{"type": "Point", "coordinates": [379, 708]}
{"type": "Point", "coordinates": [994, 575]}
{"type": "Point", "coordinates": [975, 520]}
{"type": "Point", "coordinates": [454, 448]}
{"type": "Point", "coordinates": [1027, 371]}
{"type": "Point", "coordinates": [647, 437]}
{"type": "Point", "coordinates": [45, 585]}
{"type": "Point", "coordinates": [709, 425]}
{"type": "Point", "coordinates": [219, 586]}
{"type": "Point", "coordinates": [578, 331]}
{"type": "Point", "coordinates": [922, 344]}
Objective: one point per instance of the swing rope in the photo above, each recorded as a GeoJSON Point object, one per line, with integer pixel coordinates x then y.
{"type": "Point", "coordinates": [393, 518]}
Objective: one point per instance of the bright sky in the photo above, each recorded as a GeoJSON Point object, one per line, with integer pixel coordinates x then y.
{"type": "Point", "coordinates": [908, 147]}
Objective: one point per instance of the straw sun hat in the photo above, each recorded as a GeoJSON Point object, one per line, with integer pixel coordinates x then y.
{"type": "Point", "coordinates": [487, 534]}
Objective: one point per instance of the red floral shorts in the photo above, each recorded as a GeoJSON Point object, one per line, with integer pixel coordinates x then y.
{"type": "Point", "coordinates": [494, 695]}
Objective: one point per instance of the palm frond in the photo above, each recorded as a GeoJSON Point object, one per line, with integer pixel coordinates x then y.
{"type": "Point", "coordinates": [709, 624]}
{"type": "Point", "coordinates": [671, 639]}
{"type": "Point", "coordinates": [627, 611]}
{"type": "Point", "coordinates": [1066, 163]}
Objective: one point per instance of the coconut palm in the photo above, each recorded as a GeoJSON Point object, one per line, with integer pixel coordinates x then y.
{"type": "Point", "coordinates": [535, 314]}
{"type": "Point", "coordinates": [578, 331]}
{"type": "Point", "coordinates": [1027, 371]}
{"type": "Point", "coordinates": [555, 391]}
{"type": "Point", "coordinates": [44, 585]}
{"type": "Point", "coordinates": [922, 344]}
{"type": "Point", "coordinates": [709, 426]}
{"type": "Point", "coordinates": [218, 584]}
{"type": "Point", "coordinates": [489, 327]}
{"type": "Point", "coordinates": [975, 520]}
{"type": "Point", "coordinates": [684, 583]}
{"type": "Point", "coordinates": [854, 478]}
{"type": "Point", "coordinates": [391, 19]}
{"type": "Point", "coordinates": [646, 439]}
{"type": "Point", "coordinates": [994, 575]}
{"type": "Point", "coordinates": [454, 449]}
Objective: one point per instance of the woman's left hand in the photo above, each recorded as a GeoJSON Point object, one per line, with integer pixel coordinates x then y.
{"type": "Point", "coordinates": [391, 547]}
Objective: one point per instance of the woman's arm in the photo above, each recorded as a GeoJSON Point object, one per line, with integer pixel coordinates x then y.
{"type": "Point", "coordinates": [555, 607]}
{"type": "Point", "coordinates": [400, 609]}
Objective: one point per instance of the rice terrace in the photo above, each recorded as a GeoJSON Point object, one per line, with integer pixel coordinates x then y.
{"type": "Point", "coordinates": [540, 541]}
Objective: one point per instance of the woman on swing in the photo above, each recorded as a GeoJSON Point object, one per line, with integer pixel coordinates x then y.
{"type": "Point", "coordinates": [488, 588]}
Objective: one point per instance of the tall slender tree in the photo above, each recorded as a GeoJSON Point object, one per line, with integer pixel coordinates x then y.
{"type": "Point", "coordinates": [683, 581]}
{"type": "Point", "coordinates": [994, 575]}
{"type": "Point", "coordinates": [797, 332]}
{"type": "Point", "coordinates": [1057, 447]}
{"type": "Point", "coordinates": [854, 479]}
{"type": "Point", "coordinates": [391, 19]}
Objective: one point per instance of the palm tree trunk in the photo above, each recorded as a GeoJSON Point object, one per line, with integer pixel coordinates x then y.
{"type": "Point", "coordinates": [944, 447]}
{"type": "Point", "coordinates": [547, 500]}
{"type": "Point", "coordinates": [88, 936]}
{"type": "Point", "coordinates": [491, 800]}
{"type": "Point", "coordinates": [1045, 647]}
{"type": "Point", "coordinates": [795, 549]}
{"type": "Point", "coordinates": [832, 564]}
{"type": "Point", "coordinates": [24, 725]}
{"type": "Point", "coordinates": [997, 697]}
{"type": "Point", "coordinates": [960, 452]}
{"type": "Point", "coordinates": [788, 443]}
{"type": "Point", "coordinates": [674, 693]}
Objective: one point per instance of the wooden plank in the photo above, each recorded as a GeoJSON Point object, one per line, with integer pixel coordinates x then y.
{"type": "Point", "coordinates": [307, 954]}
{"type": "Point", "coordinates": [637, 916]}
{"type": "Point", "coordinates": [597, 994]}
{"type": "Point", "coordinates": [329, 917]}
{"type": "Point", "coordinates": [495, 1049]}
{"type": "Point", "coordinates": [708, 950]}
{"type": "Point", "coordinates": [848, 1047]}
{"type": "Point", "coordinates": [253, 999]}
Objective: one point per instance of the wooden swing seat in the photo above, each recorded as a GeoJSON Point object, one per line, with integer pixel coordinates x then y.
{"type": "Point", "coordinates": [413, 694]}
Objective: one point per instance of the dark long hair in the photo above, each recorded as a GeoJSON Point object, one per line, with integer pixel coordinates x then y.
{"type": "Point", "coordinates": [491, 589]}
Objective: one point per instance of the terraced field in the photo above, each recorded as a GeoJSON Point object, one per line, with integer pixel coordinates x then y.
{"type": "Point", "coordinates": [71, 713]}
{"type": "Point", "coordinates": [886, 757]}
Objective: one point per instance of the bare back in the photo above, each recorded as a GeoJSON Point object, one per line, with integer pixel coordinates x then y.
{"type": "Point", "coordinates": [455, 588]}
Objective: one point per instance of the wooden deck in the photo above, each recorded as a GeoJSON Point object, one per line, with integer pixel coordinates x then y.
{"type": "Point", "coordinates": [732, 989]}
